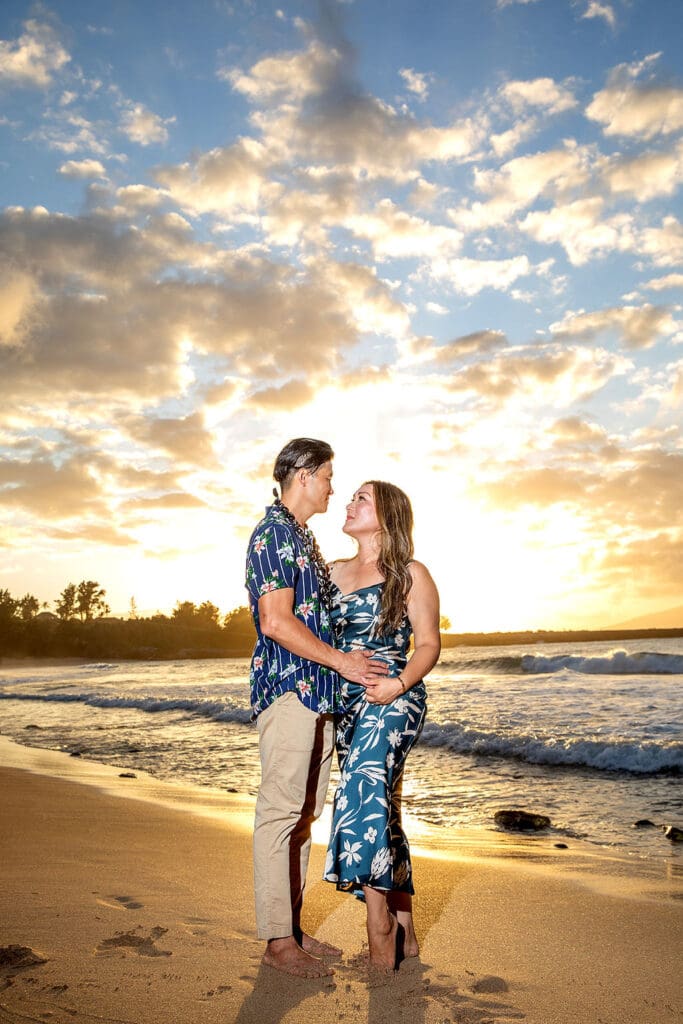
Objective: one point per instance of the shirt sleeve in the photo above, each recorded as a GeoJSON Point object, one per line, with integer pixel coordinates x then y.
{"type": "Point", "coordinates": [271, 560]}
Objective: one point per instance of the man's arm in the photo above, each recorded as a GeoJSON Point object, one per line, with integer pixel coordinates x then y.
{"type": "Point", "coordinates": [279, 623]}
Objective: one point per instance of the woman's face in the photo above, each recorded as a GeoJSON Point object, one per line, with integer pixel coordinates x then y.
{"type": "Point", "coordinates": [361, 515]}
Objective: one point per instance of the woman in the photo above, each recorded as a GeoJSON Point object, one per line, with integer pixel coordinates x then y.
{"type": "Point", "coordinates": [379, 598]}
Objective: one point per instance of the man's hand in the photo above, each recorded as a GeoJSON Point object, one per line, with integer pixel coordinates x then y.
{"type": "Point", "coordinates": [358, 667]}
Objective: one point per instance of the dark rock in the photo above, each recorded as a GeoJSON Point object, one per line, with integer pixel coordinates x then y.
{"type": "Point", "coordinates": [76, 753]}
{"type": "Point", "coordinates": [560, 846]}
{"type": "Point", "coordinates": [643, 823]}
{"type": "Point", "coordinates": [673, 833]}
{"type": "Point", "coordinates": [521, 821]}
{"type": "Point", "coordinates": [32, 727]}
{"type": "Point", "coordinates": [127, 775]}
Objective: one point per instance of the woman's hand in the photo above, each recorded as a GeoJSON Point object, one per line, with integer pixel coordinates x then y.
{"type": "Point", "coordinates": [383, 691]}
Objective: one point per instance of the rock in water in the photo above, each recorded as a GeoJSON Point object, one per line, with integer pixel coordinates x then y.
{"type": "Point", "coordinates": [644, 823]}
{"type": "Point", "coordinates": [673, 833]}
{"type": "Point", "coordinates": [521, 821]}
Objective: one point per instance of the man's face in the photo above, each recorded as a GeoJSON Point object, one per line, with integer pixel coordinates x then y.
{"type": "Point", "coordinates": [319, 486]}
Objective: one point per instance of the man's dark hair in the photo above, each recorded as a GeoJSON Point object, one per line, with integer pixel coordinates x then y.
{"type": "Point", "coordinates": [301, 453]}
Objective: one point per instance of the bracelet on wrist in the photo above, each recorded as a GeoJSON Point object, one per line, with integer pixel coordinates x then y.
{"type": "Point", "coordinates": [402, 682]}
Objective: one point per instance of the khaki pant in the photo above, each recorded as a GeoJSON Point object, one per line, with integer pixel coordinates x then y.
{"type": "Point", "coordinates": [296, 748]}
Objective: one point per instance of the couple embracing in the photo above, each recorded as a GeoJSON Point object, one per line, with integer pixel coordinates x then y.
{"type": "Point", "coordinates": [331, 668]}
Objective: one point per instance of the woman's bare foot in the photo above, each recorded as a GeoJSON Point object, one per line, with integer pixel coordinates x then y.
{"type": "Point", "coordinates": [383, 940]}
{"type": "Point", "coordinates": [401, 904]}
{"type": "Point", "coordinates": [316, 947]}
{"type": "Point", "coordinates": [409, 946]}
{"type": "Point", "coordinates": [286, 955]}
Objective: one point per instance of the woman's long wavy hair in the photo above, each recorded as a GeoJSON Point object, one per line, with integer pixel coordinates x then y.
{"type": "Point", "coordinates": [395, 518]}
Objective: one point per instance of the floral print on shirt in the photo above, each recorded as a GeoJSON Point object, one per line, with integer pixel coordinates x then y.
{"type": "Point", "coordinates": [276, 560]}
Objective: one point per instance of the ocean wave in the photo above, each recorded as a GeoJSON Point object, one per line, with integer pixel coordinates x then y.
{"type": "Point", "coordinates": [615, 663]}
{"type": "Point", "coordinates": [612, 755]}
{"type": "Point", "coordinates": [216, 710]}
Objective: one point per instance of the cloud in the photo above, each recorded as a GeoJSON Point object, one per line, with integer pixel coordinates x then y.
{"type": "Point", "coordinates": [632, 108]}
{"type": "Point", "coordinates": [509, 3]}
{"type": "Point", "coordinates": [184, 438]}
{"type": "Point", "coordinates": [519, 182]}
{"type": "Point", "coordinates": [645, 494]}
{"type": "Point", "coordinates": [80, 169]}
{"type": "Point", "coordinates": [56, 492]}
{"type": "Point", "coordinates": [286, 396]}
{"type": "Point", "coordinates": [542, 93]}
{"type": "Point", "coordinates": [311, 116]}
{"type": "Point", "coordinates": [221, 180]}
{"type": "Point", "coordinates": [546, 487]}
{"type": "Point", "coordinates": [477, 343]}
{"type": "Point", "coordinates": [659, 559]}
{"type": "Point", "coordinates": [395, 234]}
{"type": "Point", "coordinates": [573, 430]}
{"type": "Point", "coordinates": [416, 82]}
{"type": "Point", "coordinates": [647, 175]}
{"type": "Point", "coordinates": [664, 245]}
{"type": "Point", "coordinates": [18, 298]}
{"type": "Point", "coordinates": [554, 375]}
{"type": "Point", "coordinates": [660, 284]}
{"type": "Point", "coordinates": [175, 499]}
{"type": "Point", "coordinates": [32, 60]}
{"type": "Point", "coordinates": [142, 125]}
{"type": "Point", "coordinates": [290, 76]}
{"type": "Point", "coordinates": [636, 327]}
{"type": "Point", "coordinates": [92, 533]}
{"type": "Point", "coordinates": [136, 198]}
{"type": "Point", "coordinates": [601, 10]}
{"type": "Point", "coordinates": [102, 308]}
{"type": "Point", "coordinates": [581, 229]}
{"type": "Point", "coordinates": [470, 276]}
{"type": "Point", "coordinates": [71, 133]}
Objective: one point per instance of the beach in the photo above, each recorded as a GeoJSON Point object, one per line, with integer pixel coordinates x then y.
{"type": "Point", "coordinates": [134, 897]}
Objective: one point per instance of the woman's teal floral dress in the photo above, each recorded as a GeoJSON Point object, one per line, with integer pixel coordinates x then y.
{"type": "Point", "coordinates": [367, 844]}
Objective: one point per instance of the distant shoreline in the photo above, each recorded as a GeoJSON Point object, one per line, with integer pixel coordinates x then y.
{"type": "Point", "coordinates": [554, 636]}
{"type": "Point", "coordinates": [448, 640]}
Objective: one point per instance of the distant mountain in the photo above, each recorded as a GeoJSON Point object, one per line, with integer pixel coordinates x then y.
{"type": "Point", "coordinates": [670, 618]}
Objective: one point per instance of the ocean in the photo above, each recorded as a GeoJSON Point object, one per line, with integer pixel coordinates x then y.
{"type": "Point", "coordinates": [590, 734]}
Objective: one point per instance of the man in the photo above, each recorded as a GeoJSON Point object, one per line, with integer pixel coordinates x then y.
{"type": "Point", "coordinates": [294, 692]}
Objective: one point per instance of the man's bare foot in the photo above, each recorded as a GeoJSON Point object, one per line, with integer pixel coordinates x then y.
{"type": "Point", "coordinates": [316, 947]}
{"type": "Point", "coordinates": [383, 944]}
{"type": "Point", "coordinates": [286, 955]}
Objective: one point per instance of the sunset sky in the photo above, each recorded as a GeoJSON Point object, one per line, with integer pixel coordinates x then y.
{"type": "Point", "coordinates": [447, 237]}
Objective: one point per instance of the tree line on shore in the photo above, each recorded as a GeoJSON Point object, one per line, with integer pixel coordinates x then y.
{"type": "Point", "coordinates": [80, 627]}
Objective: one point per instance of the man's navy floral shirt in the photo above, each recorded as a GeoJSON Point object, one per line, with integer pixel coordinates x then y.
{"type": "Point", "coordinates": [277, 559]}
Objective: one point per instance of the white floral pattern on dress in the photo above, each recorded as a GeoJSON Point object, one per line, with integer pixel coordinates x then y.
{"type": "Point", "coordinates": [367, 844]}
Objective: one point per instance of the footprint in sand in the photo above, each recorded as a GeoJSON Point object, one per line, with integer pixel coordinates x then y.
{"type": "Point", "coordinates": [141, 944]}
{"type": "Point", "coordinates": [199, 925]}
{"type": "Point", "coordinates": [15, 957]}
{"type": "Point", "coordinates": [121, 903]}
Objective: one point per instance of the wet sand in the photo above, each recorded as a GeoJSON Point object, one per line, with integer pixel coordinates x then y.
{"type": "Point", "coordinates": [140, 910]}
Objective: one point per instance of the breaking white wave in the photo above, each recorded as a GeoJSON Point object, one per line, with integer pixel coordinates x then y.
{"type": "Point", "coordinates": [604, 754]}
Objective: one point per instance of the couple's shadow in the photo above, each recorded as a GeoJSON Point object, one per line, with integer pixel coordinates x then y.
{"type": "Point", "coordinates": [340, 996]}
{"type": "Point", "coordinates": [405, 997]}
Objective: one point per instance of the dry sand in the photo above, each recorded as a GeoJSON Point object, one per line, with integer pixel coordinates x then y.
{"type": "Point", "coordinates": [139, 910]}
